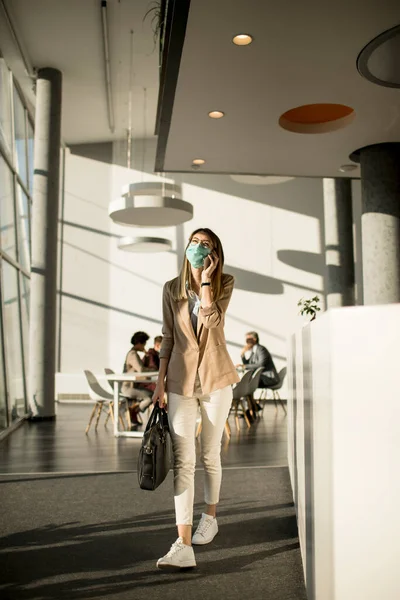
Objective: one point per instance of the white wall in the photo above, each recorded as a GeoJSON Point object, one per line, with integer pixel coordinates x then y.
{"type": "Point", "coordinates": [85, 326]}
{"type": "Point", "coordinates": [272, 237]}
{"type": "Point", "coordinates": [343, 448]}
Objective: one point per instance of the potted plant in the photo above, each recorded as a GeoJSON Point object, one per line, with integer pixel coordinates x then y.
{"type": "Point", "coordinates": [309, 307]}
{"type": "Point", "coordinates": [157, 13]}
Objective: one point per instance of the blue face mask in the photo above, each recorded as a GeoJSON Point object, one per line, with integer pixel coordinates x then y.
{"type": "Point", "coordinates": [196, 253]}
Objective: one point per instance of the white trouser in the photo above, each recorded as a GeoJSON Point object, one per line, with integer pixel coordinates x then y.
{"type": "Point", "coordinates": [182, 415]}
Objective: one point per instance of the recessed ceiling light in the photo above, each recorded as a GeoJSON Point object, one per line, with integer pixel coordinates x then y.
{"type": "Point", "coordinates": [198, 161]}
{"type": "Point", "coordinates": [216, 114]}
{"type": "Point", "coordinates": [242, 39]}
{"type": "Point", "coordinates": [346, 168]}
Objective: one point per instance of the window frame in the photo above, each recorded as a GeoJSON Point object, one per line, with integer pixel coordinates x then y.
{"type": "Point", "coordinates": [21, 271]}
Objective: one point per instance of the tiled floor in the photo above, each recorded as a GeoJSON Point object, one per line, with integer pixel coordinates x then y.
{"type": "Point", "coordinates": [62, 446]}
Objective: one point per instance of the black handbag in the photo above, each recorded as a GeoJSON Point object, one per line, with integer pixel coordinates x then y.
{"type": "Point", "coordinates": [155, 453]}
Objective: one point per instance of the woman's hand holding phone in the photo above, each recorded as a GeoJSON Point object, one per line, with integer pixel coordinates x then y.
{"type": "Point", "coordinates": [210, 264]}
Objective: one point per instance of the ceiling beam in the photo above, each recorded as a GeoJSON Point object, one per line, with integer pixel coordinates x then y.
{"type": "Point", "coordinates": [175, 18]}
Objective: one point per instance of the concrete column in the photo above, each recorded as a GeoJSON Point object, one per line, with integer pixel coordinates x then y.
{"type": "Point", "coordinates": [339, 253]}
{"type": "Point", "coordinates": [42, 328]}
{"type": "Point", "coordinates": [380, 223]}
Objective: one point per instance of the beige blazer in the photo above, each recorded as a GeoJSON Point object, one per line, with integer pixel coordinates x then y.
{"type": "Point", "coordinates": [205, 352]}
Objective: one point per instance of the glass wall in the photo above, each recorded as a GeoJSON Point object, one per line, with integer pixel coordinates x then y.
{"type": "Point", "coordinates": [5, 110]}
{"type": "Point", "coordinates": [16, 178]}
{"type": "Point", "coordinates": [3, 403]}
{"type": "Point", "coordinates": [7, 215]}
{"type": "Point", "coordinates": [12, 336]}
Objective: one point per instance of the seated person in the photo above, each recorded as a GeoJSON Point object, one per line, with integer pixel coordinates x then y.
{"type": "Point", "coordinates": [134, 390]}
{"type": "Point", "coordinates": [152, 358]}
{"type": "Point", "coordinates": [255, 356]}
{"type": "Point", "coordinates": [151, 361]}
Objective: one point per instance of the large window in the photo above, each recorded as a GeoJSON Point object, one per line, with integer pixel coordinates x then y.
{"type": "Point", "coordinates": [20, 138]}
{"type": "Point", "coordinates": [7, 215]}
{"type": "Point", "coordinates": [30, 157]}
{"type": "Point", "coordinates": [16, 178]}
{"type": "Point", "coordinates": [24, 237]}
{"type": "Point", "coordinates": [13, 349]}
{"type": "Point", "coordinates": [3, 401]}
{"type": "Point", "coordinates": [5, 109]}
{"type": "Point", "coordinates": [25, 298]}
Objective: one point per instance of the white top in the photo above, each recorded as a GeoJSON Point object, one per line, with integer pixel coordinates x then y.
{"type": "Point", "coordinates": [194, 306]}
{"type": "Point", "coordinates": [248, 353]}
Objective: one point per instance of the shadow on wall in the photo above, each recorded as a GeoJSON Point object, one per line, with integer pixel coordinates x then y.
{"type": "Point", "coordinates": [152, 320]}
{"type": "Point", "coordinates": [315, 263]}
{"type": "Point", "coordinates": [284, 195]}
{"type": "Point", "coordinates": [254, 282]}
{"type": "Point", "coordinates": [109, 262]}
{"type": "Point", "coordinates": [249, 281]}
{"type": "Point", "coordinates": [244, 279]}
{"type": "Point", "coordinates": [306, 261]}
{"type": "Point", "coordinates": [101, 151]}
{"type": "Point", "coordinates": [110, 307]}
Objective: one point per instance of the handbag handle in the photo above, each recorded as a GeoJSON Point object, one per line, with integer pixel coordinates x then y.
{"type": "Point", "coordinates": [153, 417]}
{"type": "Point", "coordinates": [164, 418]}
{"type": "Point", "coordinates": [158, 414]}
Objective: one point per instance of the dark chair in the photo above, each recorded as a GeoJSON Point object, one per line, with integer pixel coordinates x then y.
{"type": "Point", "coordinates": [253, 386]}
{"type": "Point", "coordinates": [255, 380]}
{"type": "Point", "coordinates": [274, 388]}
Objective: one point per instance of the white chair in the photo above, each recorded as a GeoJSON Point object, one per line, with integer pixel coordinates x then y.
{"type": "Point", "coordinates": [103, 398]}
{"type": "Point", "coordinates": [109, 372]}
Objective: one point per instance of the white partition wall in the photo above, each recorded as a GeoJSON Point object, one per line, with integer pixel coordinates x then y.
{"type": "Point", "coordinates": [344, 451]}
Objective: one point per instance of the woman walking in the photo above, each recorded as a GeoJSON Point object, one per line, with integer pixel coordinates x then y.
{"type": "Point", "coordinates": [196, 369]}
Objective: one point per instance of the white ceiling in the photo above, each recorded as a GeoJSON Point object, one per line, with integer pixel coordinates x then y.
{"type": "Point", "coordinates": [303, 52]}
{"type": "Point", "coordinates": [67, 35]}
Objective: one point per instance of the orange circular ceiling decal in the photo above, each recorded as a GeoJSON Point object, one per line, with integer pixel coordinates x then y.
{"type": "Point", "coordinates": [317, 118]}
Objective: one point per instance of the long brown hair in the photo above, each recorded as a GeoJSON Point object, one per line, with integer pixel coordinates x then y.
{"type": "Point", "coordinates": [185, 277]}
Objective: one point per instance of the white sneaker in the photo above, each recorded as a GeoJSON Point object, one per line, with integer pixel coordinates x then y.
{"type": "Point", "coordinates": [206, 530]}
{"type": "Point", "coordinates": [180, 556]}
